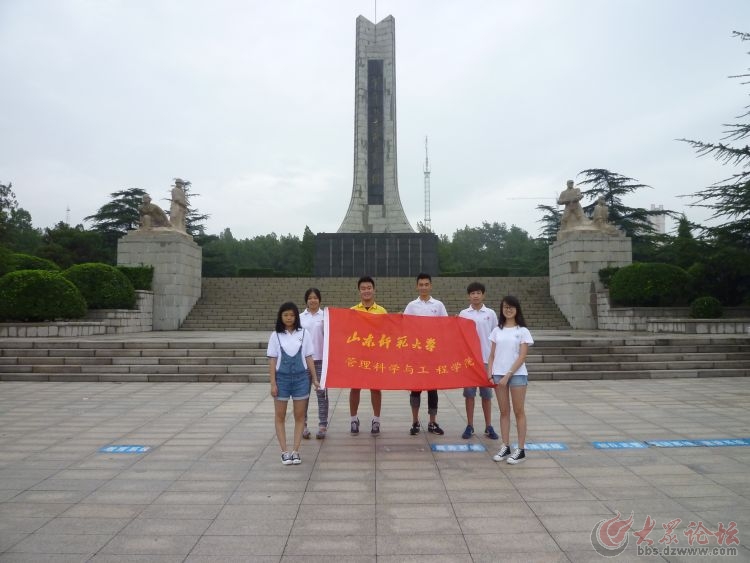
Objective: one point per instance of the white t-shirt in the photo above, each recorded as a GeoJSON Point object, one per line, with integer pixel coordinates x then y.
{"type": "Point", "coordinates": [313, 324]}
{"type": "Point", "coordinates": [507, 347]}
{"type": "Point", "coordinates": [290, 342]}
{"type": "Point", "coordinates": [486, 320]}
{"type": "Point", "coordinates": [430, 308]}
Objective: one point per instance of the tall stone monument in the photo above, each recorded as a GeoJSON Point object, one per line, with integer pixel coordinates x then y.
{"type": "Point", "coordinates": [162, 242]}
{"type": "Point", "coordinates": [583, 247]}
{"type": "Point", "coordinates": [375, 237]}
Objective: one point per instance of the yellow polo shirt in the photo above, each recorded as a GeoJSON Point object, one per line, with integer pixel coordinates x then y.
{"type": "Point", "coordinates": [375, 309]}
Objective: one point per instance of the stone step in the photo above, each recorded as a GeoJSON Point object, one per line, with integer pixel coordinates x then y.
{"type": "Point", "coordinates": [251, 303]}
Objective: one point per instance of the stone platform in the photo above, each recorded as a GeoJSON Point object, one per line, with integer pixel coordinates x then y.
{"type": "Point", "coordinates": [212, 488]}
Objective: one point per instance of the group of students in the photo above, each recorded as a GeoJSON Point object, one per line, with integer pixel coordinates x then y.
{"type": "Point", "coordinates": [295, 354]}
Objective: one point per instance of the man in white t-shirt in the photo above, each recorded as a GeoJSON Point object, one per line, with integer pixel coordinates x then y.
{"type": "Point", "coordinates": [425, 306]}
{"type": "Point", "coordinates": [485, 320]}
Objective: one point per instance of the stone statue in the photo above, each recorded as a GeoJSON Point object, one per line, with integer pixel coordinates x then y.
{"type": "Point", "coordinates": [601, 218]}
{"type": "Point", "coordinates": [178, 208]}
{"type": "Point", "coordinates": [573, 215]}
{"type": "Point", "coordinates": [152, 216]}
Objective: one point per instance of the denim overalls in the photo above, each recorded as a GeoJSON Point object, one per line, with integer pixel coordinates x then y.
{"type": "Point", "coordinates": [292, 378]}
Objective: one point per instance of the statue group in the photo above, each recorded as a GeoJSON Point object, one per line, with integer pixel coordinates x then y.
{"type": "Point", "coordinates": [153, 217]}
{"type": "Point", "coordinates": [574, 219]}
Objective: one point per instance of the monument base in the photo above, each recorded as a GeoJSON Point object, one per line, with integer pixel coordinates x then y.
{"type": "Point", "coordinates": [176, 259]}
{"type": "Point", "coordinates": [375, 254]}
{"type": "Point", "coordinates": [574, 264]}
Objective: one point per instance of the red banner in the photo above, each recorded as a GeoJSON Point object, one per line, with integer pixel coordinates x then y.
{"type": "Point", "coordinates": [395, 351]}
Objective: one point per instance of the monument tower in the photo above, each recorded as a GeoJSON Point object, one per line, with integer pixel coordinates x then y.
{"type": "Point", "coordinates": [375, 237]}
{"type": "Point", "coordinates": [375, 206]}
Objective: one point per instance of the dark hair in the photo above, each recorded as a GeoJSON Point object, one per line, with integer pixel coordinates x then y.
{"type": "Point", "coordinates": [288, 306]}
{"type": "Point", "coordinates": [475, 286]}
{"type": "Point", "coordinates": [314, 290]}
{"type": "Point", "coordinates": [513, 302]}
{"type": "Point", "coordinates": [423, 276]}
{"type": "Point", "coordinates": [365, 279]}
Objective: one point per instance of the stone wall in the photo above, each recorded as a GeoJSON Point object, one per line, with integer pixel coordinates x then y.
{"type": "Point", "coordinates": [124, 321]}
{"type": "Point", "coordinates": [177, 262]}
{"type": "Point", "coordinates": [665, 319]}
{"type": "Point", "coordinates": [574, 265]}
{"type": "Point", "coordinates": [97, 321]}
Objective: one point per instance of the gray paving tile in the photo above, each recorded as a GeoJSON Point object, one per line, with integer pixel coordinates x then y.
{"type": "Point", "coordinates": [126, 544]}
{"type": "Point", "coordinates": [243, 546]}
{"type": "Point", "coordinates": [61, 543]}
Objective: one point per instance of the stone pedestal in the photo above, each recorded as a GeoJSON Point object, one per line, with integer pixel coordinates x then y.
{"type": "Point", "coordinates": [375, 254]}
{"type": "Point", "coordinates": [574, 265]}
{"type": "Point", "coordinates": [177, 262]}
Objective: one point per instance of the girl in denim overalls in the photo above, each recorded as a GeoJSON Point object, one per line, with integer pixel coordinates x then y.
{"type": "Point", "coordinates": [290, 356]}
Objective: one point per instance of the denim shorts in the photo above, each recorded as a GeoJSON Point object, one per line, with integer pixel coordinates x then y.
{"type": "Point", "coordinates": [518, 380]}
{"type": "Point", "coordinates": [484, 392]}
{"type": "Point", "coordinates": [295, 385]}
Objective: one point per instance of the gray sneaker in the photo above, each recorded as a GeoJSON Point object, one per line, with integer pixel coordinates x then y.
{"type": "Point", "coordinates": [375, 427]}
{"type": "Point", "coordinates": [355, 427]}
{"type": "Point", "coordinates": [286, 458]}
{"type": "Point", "coordinates": [296, 459]}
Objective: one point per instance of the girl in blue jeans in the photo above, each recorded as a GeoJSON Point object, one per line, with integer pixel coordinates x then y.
{"type": "Point", "coordinates": [290, 356]}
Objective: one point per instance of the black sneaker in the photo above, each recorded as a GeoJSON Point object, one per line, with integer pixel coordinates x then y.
{"type": "Point", "coordinates": [355, 426]}
{"type": "Point", "coordinates": [433, 428]}
{"type": "Point", "coordinates": [415, 429]}
{"type": "Point", "coordinates": [516, 457]}
{"type": "Point", "coordinates": [502, 454]}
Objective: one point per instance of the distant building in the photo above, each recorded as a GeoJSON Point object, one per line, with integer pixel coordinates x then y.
{"type": "Point", "coordinates": [658, 221]}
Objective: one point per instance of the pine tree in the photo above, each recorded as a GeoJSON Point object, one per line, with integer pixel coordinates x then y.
{"type": "Point", "coordinates": [729, 199]}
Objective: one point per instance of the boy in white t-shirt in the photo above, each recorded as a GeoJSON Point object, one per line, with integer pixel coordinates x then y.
{"type": "Point", "coordinates": [485, 320]}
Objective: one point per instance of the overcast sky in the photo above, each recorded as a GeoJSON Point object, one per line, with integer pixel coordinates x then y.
{"type": "Point", "coordinates": [253, 102]}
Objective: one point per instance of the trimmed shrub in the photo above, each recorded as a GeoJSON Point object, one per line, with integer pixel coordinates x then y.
{"type": "Point", "coordinates": [706, 308]}
{"type": "Point", "coordinates": [649, 285]}
{"type": "Point", "coordinates": [605, 275]}
{"type": "Point", "coordinates": [39, 295]}
{"type": "Point", "coordinates": [142, 277]}
{"type": "Point", "coordinates": [102, 286]}
{"type": "Point", "coordinates": [6, 261]}
{"type": "Point", "coordinates": [28, 262]}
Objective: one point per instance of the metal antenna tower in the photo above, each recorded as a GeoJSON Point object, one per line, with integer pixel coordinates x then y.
{"type": "Point", "coordinates": [67, 215]}
{"type": "Point", "coordinates": [427, 220]}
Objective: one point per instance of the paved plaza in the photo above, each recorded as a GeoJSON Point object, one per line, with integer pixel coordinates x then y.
{"type": "Point", "coordinates": [212, 487]}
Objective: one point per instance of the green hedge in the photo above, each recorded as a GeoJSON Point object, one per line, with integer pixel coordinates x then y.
{"type": "Point", "coordinates": [103, 286]}
{"type": "Point", "coordinates": [39, 295]}
{"type": "Point", "coordinates": [28, 262]}
{"type": "Point", "coordinates": [706, 308]}
{"type": "Point", "coordinates": [650, 285]}
{"type": "Point", "coordinates": [605, 275]}
{"type": "Point", "coordinates": [142, 277]}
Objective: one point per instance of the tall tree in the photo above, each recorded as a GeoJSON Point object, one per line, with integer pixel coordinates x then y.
{"type": "Point", "coordinates": [120, 215]}
{"type": "Point", "coordinates": [634, 221]}
{"type": "Point", "coordinates": [550, 222]}
{"type": "Point", "coordinates": [729, 199]}
{"type": "Point", "coordinates": [16, 231]}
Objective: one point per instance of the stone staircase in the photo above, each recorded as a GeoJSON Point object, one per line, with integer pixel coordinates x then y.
{"type": "Point", "coordinates": [228, 357]}
{"type": "Point", "coordinates": [252, 303]}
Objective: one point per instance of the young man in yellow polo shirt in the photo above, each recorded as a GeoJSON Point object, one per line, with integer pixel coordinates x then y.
{"type": "Point", "coordinates": [366, 286]}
